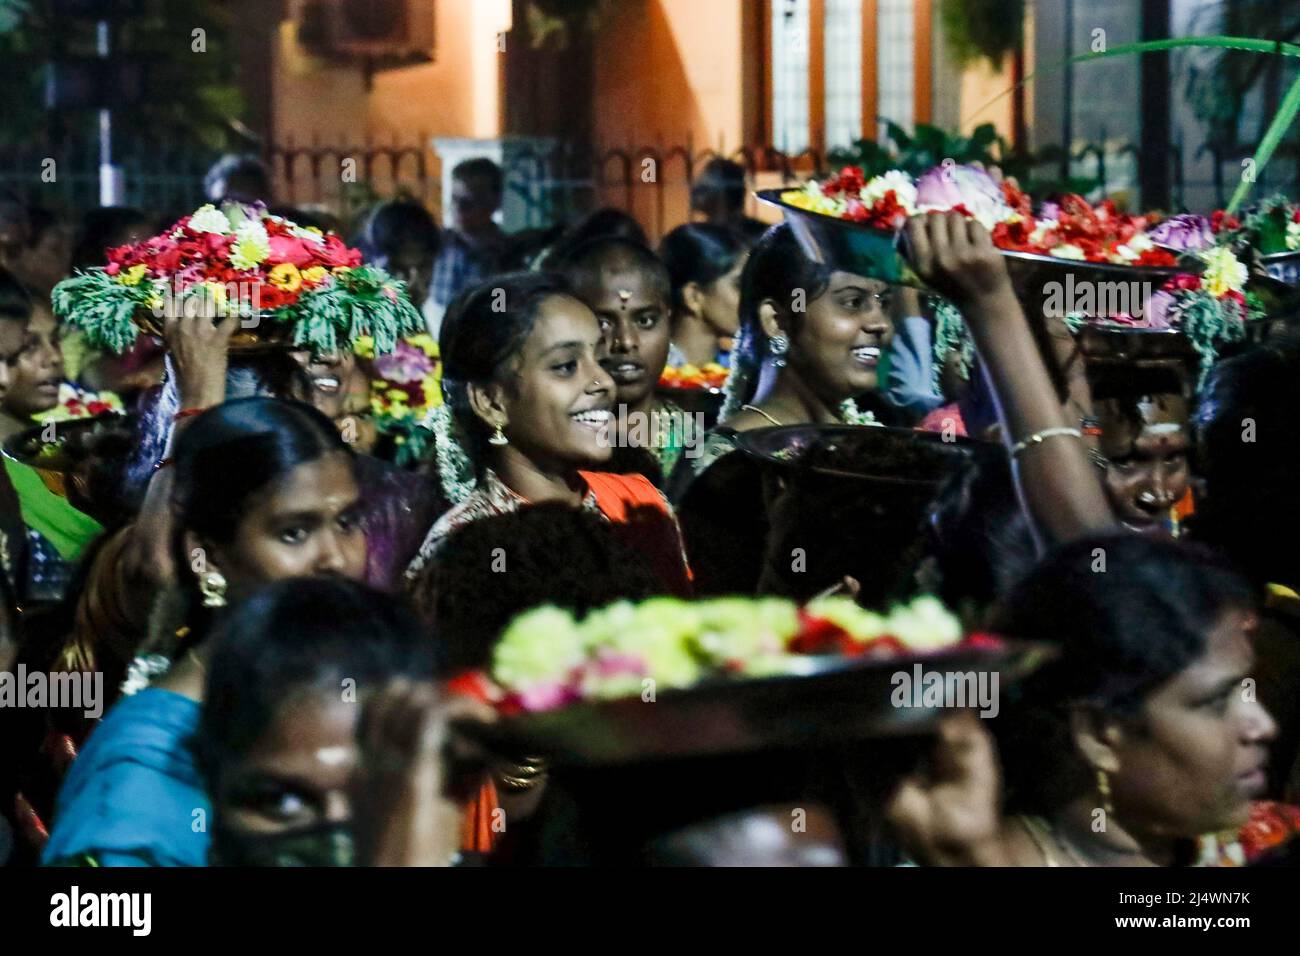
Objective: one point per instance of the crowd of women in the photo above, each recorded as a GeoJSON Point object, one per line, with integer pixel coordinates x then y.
{"type": "Point", "coordinates": [280, 608]}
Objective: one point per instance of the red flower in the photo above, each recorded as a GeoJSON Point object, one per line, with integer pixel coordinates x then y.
{"type": "Point", "coordinates": [984, 641]}
{"type": "Point", "coordinates": [1183, 282]}
{"type": "Point", "coordinates": [817, 635]}
{"type": "Point", "coordinates": [1017, 199]}
{"type": "Point", "coordinates": [1159, 257]}
{"type": "Point", "coordinates": [1220, 220]}
{"type": "Point", "coordinates": [289, 249]}
{"type": "Point", "coordinates": [1014, 236]}
{"type": "Point", "coordinates": [334, 254]}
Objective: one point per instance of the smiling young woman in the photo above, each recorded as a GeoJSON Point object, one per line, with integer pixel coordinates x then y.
{"type": "Point", "coordinates": [530, 417]}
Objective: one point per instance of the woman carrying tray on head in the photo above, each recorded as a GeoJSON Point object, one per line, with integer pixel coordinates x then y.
{"type": "Point", "coordinates": [811, 339]}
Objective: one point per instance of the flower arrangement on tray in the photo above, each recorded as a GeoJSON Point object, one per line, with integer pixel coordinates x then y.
{"type": "Point", "coordinates": [76, 403]}
{"type": "Point", "coordinates": [301, 287]}
{"type": "Point", "coordinates": [405, 388]}
{"type": "Point", "coordinates": [1271, 227]}
{"type": "Point", "coordinates": [546, 659]}
{"type": "Point", "coordinates": [708, 377]}
{"type": "Point", "coordinates": [1071, 229]}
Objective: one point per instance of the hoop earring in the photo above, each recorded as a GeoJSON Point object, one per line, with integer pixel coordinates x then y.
{"type": "Point", "coordinates": [1103, 788]}
{"type": "Point", "coordinates": [498, 437]}
{"type": "Point", "coordinates": [212, 585]}
{"type": "Point", "coordinates": [778, 347]}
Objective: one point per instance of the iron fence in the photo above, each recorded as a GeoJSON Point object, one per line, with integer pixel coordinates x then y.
{"type": "Point", "coordinates": [548, 182]}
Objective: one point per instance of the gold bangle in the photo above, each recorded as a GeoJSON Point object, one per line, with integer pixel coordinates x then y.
{"type": "Point", "coordinates": [1037, 438]}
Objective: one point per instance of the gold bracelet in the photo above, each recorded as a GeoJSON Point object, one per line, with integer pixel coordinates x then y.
{"type": "Point", "coordinates": [1037, 438]}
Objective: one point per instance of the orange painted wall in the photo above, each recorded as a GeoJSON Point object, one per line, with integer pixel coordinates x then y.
{"type": "Point", "coordinates": [668, 73]}
{"type": "Point", "coordinates": [456, 95]}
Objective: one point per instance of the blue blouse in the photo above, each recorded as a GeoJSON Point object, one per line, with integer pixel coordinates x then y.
{"type": "Point", "coordinates": [133, 797]}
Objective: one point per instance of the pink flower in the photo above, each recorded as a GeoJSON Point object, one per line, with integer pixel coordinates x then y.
{"type": "Point", "coordinates": [1158, 310]}
{"type": "Point", "coordinates": [289, 249]}
{"type": "Point", "coordinates": [404, 365]}
{"type": "Point", "coordinates": [550, 696]}
{"type": "Point", "coordinates": [946, 186]}
{"type": "Point", "coordinates": [1184, 233]}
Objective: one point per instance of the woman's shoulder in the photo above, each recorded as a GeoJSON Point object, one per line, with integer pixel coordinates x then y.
{"type": "Point", "coordinates": [142, 728]}
{"type": "Point", "coordinates": [487, 499]}
{"type": "Point", "coordinates": [135, 789]}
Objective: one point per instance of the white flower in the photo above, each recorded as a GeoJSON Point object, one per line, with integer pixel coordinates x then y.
{"type": "Point", "coordinates": [310, 235]}
{"type": "Point", "coordinates": [924, 625]}
{"type": "Point", "coordinates": [141, 672]}
{"type": "Point", "coordinates": [902, 185]}
{"type": "Point", "coordinates": [252, 245]}
{"type": "Point", "coordinates": [1293, 235]}
{"type": "Point", "coordinates": [1068, 251]}
{"type": "Point", "coordinates": [1041, 230]}
{"type": "Point", "coordinates": [210, 219]}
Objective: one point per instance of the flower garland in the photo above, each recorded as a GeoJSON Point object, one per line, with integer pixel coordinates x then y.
{"type": "Point", "coordinates": [407, 386]}
{"type": "Point", "coordinates": [547, 659]}
{"type": "Point", "coordinates": [240, 260]}
{"type": "Point", "coordinates": [455, 470]}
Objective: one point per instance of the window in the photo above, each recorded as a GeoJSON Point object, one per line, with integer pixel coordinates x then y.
{"type": "Point", "coordinates": [790, 99]}
{"type": "Point", "coordinates": [843, 72]}
{"type": "Point", "coordinates": [870, 59]}
{"type": "Point", "coordinates": [895, 79]}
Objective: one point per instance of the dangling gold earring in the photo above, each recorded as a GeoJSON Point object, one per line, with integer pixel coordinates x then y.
{"type": "Point", "coordinates": [499, 437]}
{"type": "Point", "coordinates": [1103, 788]}
{"type": "Point", "coordinates": [212, 585]}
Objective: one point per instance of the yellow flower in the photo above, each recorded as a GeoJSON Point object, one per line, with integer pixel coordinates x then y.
{"type": "Point", "coordinates": [133, 275]}
{"type": "Point", "coordinates": [217, 291]}
{"type": "Point", "coordinates": [1223, 272]}
{"type": "Point", "coordinates": [251, 246]}
{"type": "Point", "coordinates": [286, 276]}
{"type": "Point", "coordinates": [315, 274]}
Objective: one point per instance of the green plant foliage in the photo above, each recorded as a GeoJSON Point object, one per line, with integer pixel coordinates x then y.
{"type": "Point", "coordinates": [929, 146]}
{"type": "Point", "coordinates": [982, 28]}
{"type": "Point", "coordinates": [191, 96]}
{"type": "Point", "coordinates": [363, 301]}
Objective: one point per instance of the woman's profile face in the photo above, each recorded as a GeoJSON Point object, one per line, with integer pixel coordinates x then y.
{"type": "Point", "coordinates": [305, 524]}
{"type": "Point", "coordinates": [721, 308]}
{"type": "Point", "coordinates": [838, 344]}
{"type": "Point", "coordinates": [1201, 752]}
{"type": "Point", "coordinates": [558, 399]}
